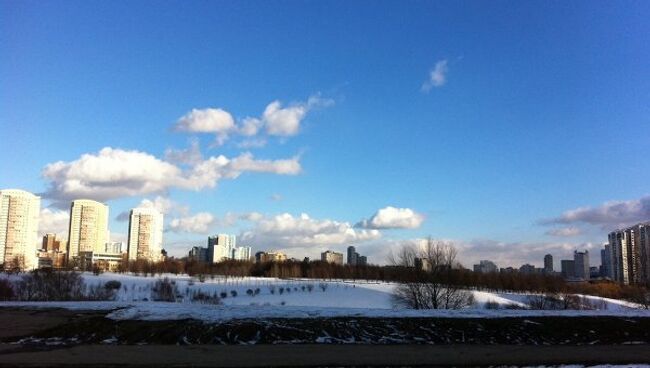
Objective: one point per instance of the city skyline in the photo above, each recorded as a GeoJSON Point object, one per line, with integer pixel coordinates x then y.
{"type": "Point", "coordinates": [281, 133]}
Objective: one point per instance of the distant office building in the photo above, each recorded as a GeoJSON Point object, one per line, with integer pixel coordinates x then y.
{"type": "Point", "coordinates": [362, 261]}
{"type": "Point", "coordinates": [220, 247]}
{"type": "Point", "coordinates": [355, 259]}
{"type": "Point", "coordinates": [87, 229]}
{"type": "Point", "coordinates": [115, 248]}
{"type": "Point", "coordinates": [352, 256]}
{"type": "Point", "coordinates": [198, 254]}
{"type": "Point", "coordinates": [581, 265]}
{"type": "Point", "coordinates": [332, 257]}
{"type": "Point", "coordinates": [568, 268]}
{"type": "Point", "coordinates": [606, 262]}
{"type": "Point", "coordinates": [51, 243]}
{"type": "Point", "coordinates": [630, 254]}
{"type": "Point", "coordinates": [548, 264]}
{"type": "Point", "coordinates": [527, 269]}
{"type": "Point", "coordinates": [485, 266]}
{"type": "Point", "coordinates": [262, 257]}
{"type": "Point", "coordinates": [145, 234]}
{"type": "Point", "coordinates": [241, 253]}
{"type": "Point", "coordinates": [19, 215]}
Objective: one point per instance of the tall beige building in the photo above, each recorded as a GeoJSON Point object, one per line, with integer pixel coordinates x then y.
{"type": "Point", "coordinates": [88, 230]}
{"type": "Point", "coordinates": [332, 257]}
{"type": "Point", "coordinates": [145, 234]}
{"type": "Point", "coordinates": [630, 254]}
{"type": "Point", "coordinates": [19, 214]}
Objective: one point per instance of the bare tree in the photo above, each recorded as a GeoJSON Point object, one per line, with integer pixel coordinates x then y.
{"type": "Point", "coordinates": [433, 285]}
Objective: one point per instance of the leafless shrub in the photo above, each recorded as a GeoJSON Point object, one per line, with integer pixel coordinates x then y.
{"type": "Point", "coordinates": [164, 290]}
{"type": "Point", "coordinates": [47, 285]}
{"type": "Point", "coordinates": [204, 298]}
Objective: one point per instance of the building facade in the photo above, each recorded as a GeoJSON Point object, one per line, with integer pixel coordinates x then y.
{"type": "Point", "coordinates": [262, 257]}
{"type": "Point", "coordinates": [548, 264]}
{"type": "Point", "coordinates": [332, 257]}
{"type": "Point", "coordinates": [352, 256]}
{"type": "Point", "coordinates": [87, 229]}
{"type": "Point", "coordinates": [630, 254]}
{"type": "Point", "coordinates": [485, 266]}
{"type": "Point", "coordinates": [581, 265]}
{"type": "Point", "coordinates": [606, 262]}
{"type": "Point", "coordinates": [220, 247]}
{"type": "Point", "coordinates": [567, 267]}
{"type": "Point", "coordinates": [19, 215]}
{"type": "Point", "coordinates": [145, 234]}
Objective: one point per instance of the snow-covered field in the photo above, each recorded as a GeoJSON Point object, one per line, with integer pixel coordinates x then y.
{"type": "Point", "coordinates": [280, 298]}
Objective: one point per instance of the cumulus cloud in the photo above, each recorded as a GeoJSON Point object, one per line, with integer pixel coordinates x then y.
{"type": "Point", "coordinates": [209, 120]}
{"type": "Point", "coordinates": [199, 223]}
{"type": "Point", "coordinates": [276, 120]}
{"type": "Point", "coordinates": [565, 231]}
{"type": "Point", "coordinates": [609, 215]}
{"type": "Point", "coordinates": [115, 173]}
{"type": "Point", "coordinates": [162, 204]}
{"type": "Point", "coordinates": [286, 231]}
{"type": "Point", "coordinates": [437, 76]}
{"type": "Point", "coordinates": [53, 221]}
{"type": "Point", "coordinates": [393, 218]}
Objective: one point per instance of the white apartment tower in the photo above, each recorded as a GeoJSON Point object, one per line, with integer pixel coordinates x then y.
{"type": "Point", "coordinates": [19, 214]}
{"type": "Point", "coordinates": [145, 234]}
{"type": "Point", "coordinates": [88, 229]}
{"type": "Point", "coordinates": [221, 247]}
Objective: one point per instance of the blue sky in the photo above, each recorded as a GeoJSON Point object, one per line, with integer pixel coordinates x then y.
{"type": "Point", "coordinates": [536, 109]}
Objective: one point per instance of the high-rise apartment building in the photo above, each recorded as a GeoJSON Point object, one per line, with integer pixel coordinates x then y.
{"type": "Point", "coordinates": [145, 234]}
{"type": "Point", "coordinates": [485, 266]}
{"type": "Point", "coordinates": [581, 265]}
{"type": "Point", "coordinates": [630, 254]}
{"type": "Point", "coordinates": [51, 243]}
{"type": "Point", "coordinates": [548, 264]}
{"type": "Point", "coordinates": [352, 256]}
{"type": "Point", "coordinates": [88, 228]}
{"type": "Point", "coordinates": [242, 253]}
{"type": "Point", "coordinates": [332, 257]}
{"type": "Point", "coordinates": [262, 257]}
{"type": "Point", "coordinates": [606, 261]}
{"type": "Point", "coordinates": [220, 247]}
{"type": "Point", "coordinates": [568, 268]}
{"type": "Point", "coordinates": [19, 215]}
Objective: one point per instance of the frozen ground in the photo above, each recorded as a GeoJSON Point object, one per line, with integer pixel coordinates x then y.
{"type": "Point", "coordinates": [279, 298]}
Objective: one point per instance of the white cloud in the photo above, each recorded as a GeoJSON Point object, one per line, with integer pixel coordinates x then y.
{"type": "Point", "coordinates": [609, 215]}
{"type": "Point", "coordinates": [54, 221]}
{"type": "Point", "coordinates": [283, 121]}
{"type": "Point", "coordinates": [189, 156]}
{"type": "Point", "coordinates": [250, 126]}
{"type": "Point", "coordinates": [288, 231]}
{"type": "Point", "coordinates": [276, 197]}
{"type": "Point", "coordinates": [276, 120]}
{"type": "Point", "coordinates": [208, 120]}
{"type": "Point", "coordinates": [162, 204]}
{"type": "Point", "coordinates": [437, 76]}
{"type": "Point", "coordinates": [565, 231]}
{"type": "Point", "coordinates": [111, 173]}
{"type": "Point", "coordinates": [393, 218]}
{"type": "Point", "coordinates": [199, 223]}
{"type": "Point", "coordinates": [114, 173]}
